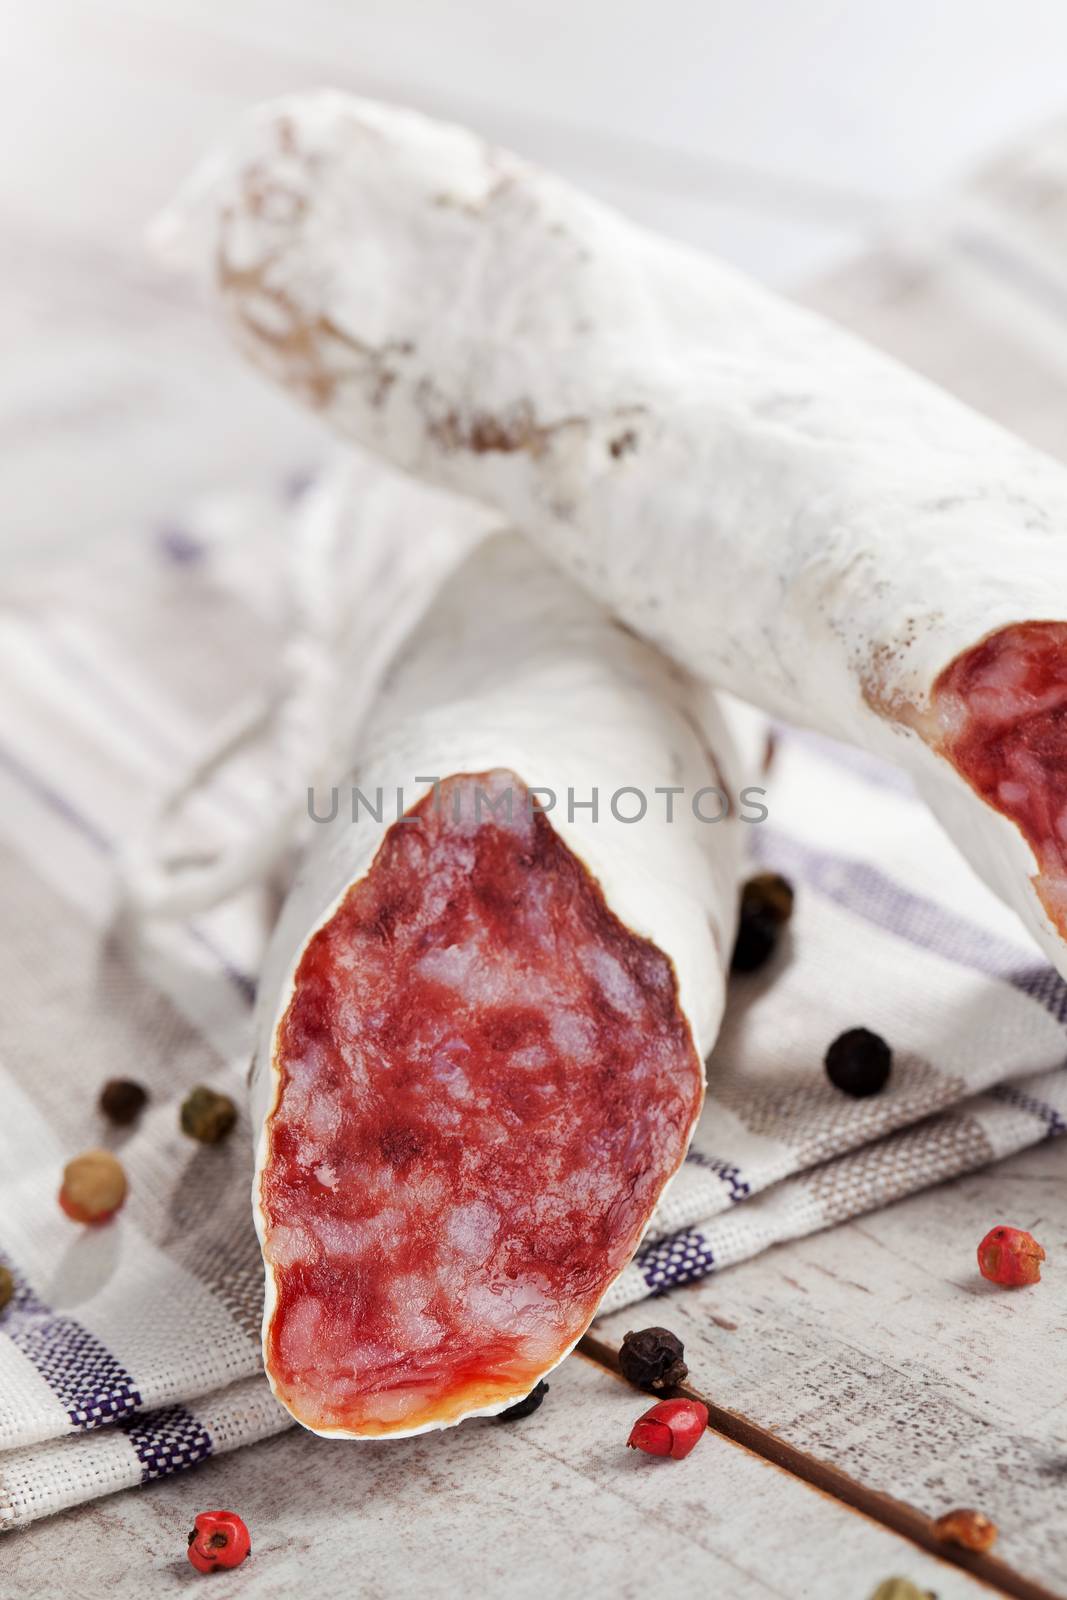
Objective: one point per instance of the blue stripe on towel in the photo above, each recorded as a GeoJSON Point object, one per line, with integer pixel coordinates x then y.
{"type": "Point", "coordinates": [62, 807]}
{"type": "Point", "coordinates": [871, 769]}
{"type": "Point", "coordinates": [872, 895]}
{"type": "Point", "coordinates": [91, 1384]}
{"type": "Point", "coordinates": [682, 1258]}
{"type": "Point", "coordinates": [728, 1173]}
{"type": "Point", "coordinates": [96, 1389]}
{"type": "Point", "coordinates": [1011, 1095]}
{"type": "Point", "coordinates": [167, 1440]}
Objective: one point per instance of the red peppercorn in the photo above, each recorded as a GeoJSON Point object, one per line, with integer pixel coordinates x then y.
{"type": "Point", "coordinates": [670, 1428]}
{"type": "Point", "coordinates": [1011, 1257]}
{"type": "Point", "coordinates": [218, 1539]}
{"type": "Point", "coordinates": [971, 1529]}
{"type": "Point", "coordinates": [94, 1187]}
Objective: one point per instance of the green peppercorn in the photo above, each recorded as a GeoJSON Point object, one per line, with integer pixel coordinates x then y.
{"type": "Point", "coordinates": [652, 1359]}
{"type": "Point", "coordinates": [900, 1589]}
{"type": "Point", "coordinates": [525, 1408]}
{"type": "Point", "coordinates": [122, 1101]}
{"type": "Point", "coordinates": [7, 1286]}
{"type": "Point", "coordinates": [207, 1115]}
{"type": "Point", "coordinates": [858, 1063]}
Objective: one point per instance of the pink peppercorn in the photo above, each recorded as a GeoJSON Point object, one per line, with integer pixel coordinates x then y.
{"type": "Point", "coordinates": [94, 1187]}
{"type": "Point", "coordinates": [670, 1428]}
{"type": "Point", "coordinates": [218, 1539]}
{"type": "Point", "coordinates": [1010, 1257]}
{"type": "Point", "coordinates": [973, 1530]}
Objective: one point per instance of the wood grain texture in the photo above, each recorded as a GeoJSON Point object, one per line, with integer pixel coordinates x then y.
{"type": "Point", "coordinates": [878, 1349]}
{"type": "Point", "coordinates": [550, 1506]}
{"type": "Point", "coordinates": [763, 135]}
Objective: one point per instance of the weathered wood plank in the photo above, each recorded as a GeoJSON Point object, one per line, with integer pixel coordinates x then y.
{"type": "Point", "coordinates": [111, 371]}
{"type": "Point", "coordinates": [878, 1349]}
{"type": "Point", "coordinates": [553, 1505]}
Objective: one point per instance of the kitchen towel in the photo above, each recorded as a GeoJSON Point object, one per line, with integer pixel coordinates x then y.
{"type": "Point", "coordinates": [131, 1351]}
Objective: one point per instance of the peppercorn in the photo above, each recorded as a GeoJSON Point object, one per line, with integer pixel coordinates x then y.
{"type": "Point", "coordinates": [971, 1529]}
{"type": "Point", "coordinates": [858, 1063]}
{"type": "Point", "coordinates": [527, 1407]}
{"type": "Point", "coordinates": [900, 1589]}
{"type": "Point", "coordinates": [122, 1101]}
{"type": "Point", "coordinates": [766, 907]}
{"type": "Point", "coordinates": [768, 894]}
{"type": "Point", "coordinates": [652, 1359]}
{"type": "Point", "coordinates": [218, 1539]}
{"type": "Point", "coordinates": [1010, 1257]}
{"type": "Point", "coordinates": [94, 1187]}
{"type": "Point", "coordinates": [671, 1428]}
{"type": "Point", "coordinates": [7, 1286]}
{"type": "Point", "coordinates": [207, 1115]}
{"type": "Point", "coordinates": [756, 942]}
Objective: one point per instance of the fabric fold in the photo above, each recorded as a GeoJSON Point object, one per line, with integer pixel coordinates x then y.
{"type": "Point", "coordinates": [134, 1352]}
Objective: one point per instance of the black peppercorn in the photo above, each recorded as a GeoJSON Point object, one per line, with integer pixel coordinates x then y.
{"type": "Point", "coordinates": [207, 1115]}
{"type": "Point", "coordinates": [122, 1101]}
{"type": "Point", "coordinates": [652, 1359]}
{"type": "Point", "coordinates": [766, 907]}
{"type": "Point", "coordinates": [525, 1408]}
{"type": "Point", "coordinates": [757, 940]}
{"type": "Point", "coordinates": [769, 895]}
{"type": "Point", "coordinates": [858, 1063]}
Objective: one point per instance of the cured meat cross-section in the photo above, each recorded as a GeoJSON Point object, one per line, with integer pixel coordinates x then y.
{"type": "Point", "coordinates": [484, 1014]}
{"type": "Point", "coordinates": [485, 1081]}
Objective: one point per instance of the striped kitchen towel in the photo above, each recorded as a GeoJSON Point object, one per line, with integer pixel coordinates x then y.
{"type": "Point", "coordinates": [131, 1351]}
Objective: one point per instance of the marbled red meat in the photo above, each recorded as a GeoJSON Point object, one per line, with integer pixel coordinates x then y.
{"type": "Point", "coordinates": [1002, 711]}
{"type": "Point", "coordinates": [485, 1082]}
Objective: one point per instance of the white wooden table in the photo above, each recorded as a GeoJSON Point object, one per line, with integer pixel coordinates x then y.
{"type": "Point", "coordinates": [862, 1381]}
